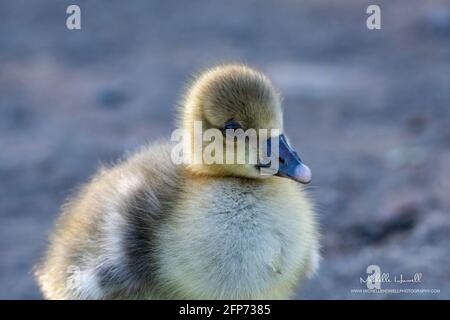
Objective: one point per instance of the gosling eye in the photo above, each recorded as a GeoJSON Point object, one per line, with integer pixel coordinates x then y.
{"type": "Point", "coordinates": [230, 124]}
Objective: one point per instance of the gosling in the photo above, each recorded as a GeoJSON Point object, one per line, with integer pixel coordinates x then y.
{"type": "Point", "coordinates": [150, 228]}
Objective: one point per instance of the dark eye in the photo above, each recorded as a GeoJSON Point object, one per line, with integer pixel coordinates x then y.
{"type": "Point", "coordinates": [230, 124]}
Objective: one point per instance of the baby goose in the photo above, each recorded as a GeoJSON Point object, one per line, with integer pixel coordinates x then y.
{"type": "Point", "coordinates": [151, 229]}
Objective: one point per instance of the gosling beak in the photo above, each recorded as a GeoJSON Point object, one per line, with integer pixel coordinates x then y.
{"type": "Point", "coordinates": [290, 164]}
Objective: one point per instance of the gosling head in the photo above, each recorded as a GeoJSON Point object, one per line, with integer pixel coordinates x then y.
{"type": "Point", "coordinates": [235, 102]}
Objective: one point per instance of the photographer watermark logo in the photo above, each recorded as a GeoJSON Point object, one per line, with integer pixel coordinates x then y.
{"type": "Point", "coordinates": [386, 283]}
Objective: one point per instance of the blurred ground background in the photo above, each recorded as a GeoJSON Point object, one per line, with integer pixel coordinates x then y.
{"type": "Point", "coordinates": [369, 111]}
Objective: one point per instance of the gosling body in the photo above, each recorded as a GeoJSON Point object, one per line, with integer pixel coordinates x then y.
{"type": "Point", "coordinates": [147, 228]}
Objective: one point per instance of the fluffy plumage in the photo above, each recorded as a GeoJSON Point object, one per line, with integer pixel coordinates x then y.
{"type": "Point", "coordinates": [149, 229]}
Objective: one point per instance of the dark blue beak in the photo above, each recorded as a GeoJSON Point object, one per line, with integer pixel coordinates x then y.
{"type": "Point", "coordinates": [290, 164]}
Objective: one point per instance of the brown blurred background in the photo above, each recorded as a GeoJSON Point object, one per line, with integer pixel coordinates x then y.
{"type": "Point", "coordinates": [369, 111]}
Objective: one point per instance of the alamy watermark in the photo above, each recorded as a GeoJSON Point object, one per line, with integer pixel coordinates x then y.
{"type": "Point", "coordinates": [231, 146]}
{"type": "Point", "coordinates": [373, 21]}
{"type": "Point", "coordinates": [73, 21]}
